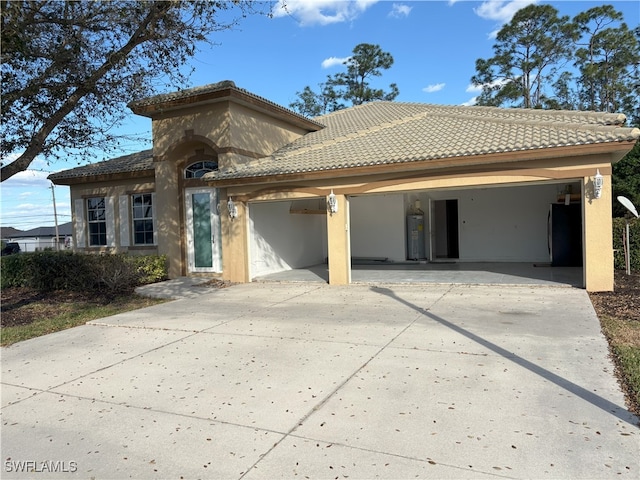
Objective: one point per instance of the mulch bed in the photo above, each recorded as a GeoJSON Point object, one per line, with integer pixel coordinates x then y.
{"type": "Point", "coordinates": [216, 283]}
{"type": "Point", "coordinates": [624, 301]}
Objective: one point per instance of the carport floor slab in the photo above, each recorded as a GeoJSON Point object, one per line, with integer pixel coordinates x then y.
{"type": "Point", "coordinates": [321, 381]}
{"type": "Point", "coordinates": [459, 273]}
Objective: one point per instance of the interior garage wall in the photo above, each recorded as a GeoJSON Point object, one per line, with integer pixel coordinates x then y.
{"type": "Point", "coordinates": [284, 241]}
{"type": "Point", "coordinates": [378, 227]}
{"type": "Point", "coordinates": [503, 224]}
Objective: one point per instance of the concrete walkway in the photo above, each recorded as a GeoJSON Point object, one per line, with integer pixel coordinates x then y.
{"type": "Point", "coordinates": [312, 381]}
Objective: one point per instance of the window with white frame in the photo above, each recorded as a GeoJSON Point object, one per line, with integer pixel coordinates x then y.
{"type": "Point", "coordinates": [142, 217]}
{"type": "Point", "coordinates": [198, 169]}
{"type": "Point", "coordinates": [97, 221]}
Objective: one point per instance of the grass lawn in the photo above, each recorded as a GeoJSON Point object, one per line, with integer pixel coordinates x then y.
{"type": "Point", "coordinates": [624, 343]}
{"type": "Point", "coordinates": [27, 314]}
{"type": "Point", "coordinates": [619, 314]}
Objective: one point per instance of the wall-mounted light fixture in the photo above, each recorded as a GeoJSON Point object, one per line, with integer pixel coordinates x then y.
{"type": "Point", "coordinates": [332, 202]}
{"type": "Point", "coordinates": [233, 210]}
{"type": "Point", "coordinates": [598, 183]}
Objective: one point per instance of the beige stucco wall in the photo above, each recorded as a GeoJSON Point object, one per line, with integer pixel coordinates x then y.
{"type": "Point", "coordinates": [339, 243]}
{"type": "Point", "coordinates": [169, 215]}
{"type": "Point", "coordinates": [597, 234]}
{"type": "Point", "coordinates": [237, 133]}
{"type": "Point", "coordinates": [208, 123]}
{"type": "Point", "coordinates": [235, 244]}
{"type": "Point", "coordinates": [257, 132]}
{"type": "Point", "coordinates": [113, 189]}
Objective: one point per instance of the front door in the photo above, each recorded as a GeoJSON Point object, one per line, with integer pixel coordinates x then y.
{"type": "Point", "coordinates": [203, 230]}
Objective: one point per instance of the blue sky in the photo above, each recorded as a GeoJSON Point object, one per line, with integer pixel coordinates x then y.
{"type": "Point", "coordinates": [434, 45]}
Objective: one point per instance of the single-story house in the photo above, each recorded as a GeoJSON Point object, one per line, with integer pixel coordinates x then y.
{"type": "Point", "coordinates": [241, 186]}
{"type": "Point", "coordinates": [40, 238]}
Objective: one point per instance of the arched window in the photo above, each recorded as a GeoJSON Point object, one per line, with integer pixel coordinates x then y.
{"type": "Point", "coordinates": [198, 169]}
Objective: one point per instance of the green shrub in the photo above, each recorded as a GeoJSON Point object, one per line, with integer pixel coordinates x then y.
{"type": "Point", "coordinates": [619, 226]}
{"type": "Point", "coordinates": [46, 271]}
{"type": "Point", "coordinates": [115, 273]}
{"type": "Point", "coordinates": [11, 271]}
{"type": "Point", "coordinates": [152, 268]}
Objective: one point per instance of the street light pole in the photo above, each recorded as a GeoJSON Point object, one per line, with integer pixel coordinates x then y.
{"type": "Point", "coordinates": [55, 218]}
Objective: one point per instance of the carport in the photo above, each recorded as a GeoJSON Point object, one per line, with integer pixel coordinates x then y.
{"type": "Point", "coordinates": [494, 235]}
{"type": "Point", "coordinates": [483, 182]}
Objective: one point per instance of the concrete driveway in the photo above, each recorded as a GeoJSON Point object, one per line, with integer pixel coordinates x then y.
{"type": "Point", "coordinates": [313, 381]}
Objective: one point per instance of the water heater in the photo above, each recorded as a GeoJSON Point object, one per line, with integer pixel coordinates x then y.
{"type": "Point", "coordinates": [415, 237]}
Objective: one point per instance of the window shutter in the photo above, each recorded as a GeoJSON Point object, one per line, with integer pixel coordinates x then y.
{"type": "Point", "coordinates": [123, 213]}
{"type": "Point", "coordinates": [155, 222]}
{"type": "Point", "coordinates": [111, 224]}
{"type": "Point", "coordinates": [80, 228]}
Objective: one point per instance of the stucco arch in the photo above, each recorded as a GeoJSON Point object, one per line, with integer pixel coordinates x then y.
{"type": "Point", "coordinates": [189, 145]}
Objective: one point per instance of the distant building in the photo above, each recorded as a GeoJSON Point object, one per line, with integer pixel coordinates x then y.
{"type": "Point", "coordinates": [39, 238]}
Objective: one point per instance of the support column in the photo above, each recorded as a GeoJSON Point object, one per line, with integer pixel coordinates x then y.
{"type": "Point", "coordinates": [167, 209]}
{"type": "Point", "coordinates": [597, 234]}
{"type": "Point", "coordinates": [339, 243]}
{"type": "Point", "coordinates": [235, 241]}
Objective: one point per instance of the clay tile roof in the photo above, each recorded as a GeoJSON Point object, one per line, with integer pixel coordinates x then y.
{"type": "Point", "coordinates": [391, 132]}
{"type": "Point", "coordinates": [207, 91]}
{"type": "Point", "coordinates": [380, 133]}
{"type": "Point", "coordinates": [135, 162]}
{"type": "Point", "coordinates": [186, 93]}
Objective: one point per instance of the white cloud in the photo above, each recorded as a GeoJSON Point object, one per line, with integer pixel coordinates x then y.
{"type": "Point", "coordinates": [434, 88]}
{"type": "Point", "coordinates": [501, 10]}
{"type": "Point", "coordinates": [333, 61]}
{"type": "Point", "coordinates": [400, 10]}
{"type": "Point", "coordinates": [28, 178]}
{"type": "Point", "coordinates": [321, 12]}
{"type": "Point", "coordinates": [26, 200]}
{"type": "Point", "coordinates": [473, 88]}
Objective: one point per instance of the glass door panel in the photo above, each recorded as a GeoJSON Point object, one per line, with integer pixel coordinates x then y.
{"type": "Point", "coordinates": [202, 238]}
{"type": "Point", "coordinates": [203, 230]}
